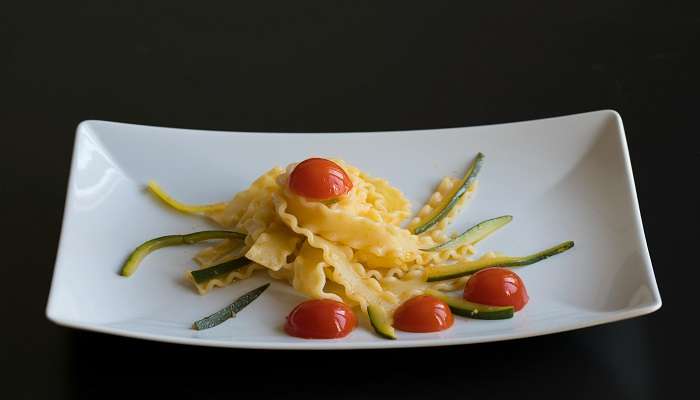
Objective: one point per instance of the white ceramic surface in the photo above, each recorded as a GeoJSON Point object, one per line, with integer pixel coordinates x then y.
{"type": "Point", "coordinates": [566, 178]}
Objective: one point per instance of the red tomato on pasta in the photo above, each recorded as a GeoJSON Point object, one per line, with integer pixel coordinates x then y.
{"type": "Point", "coordinates": [319, 179]}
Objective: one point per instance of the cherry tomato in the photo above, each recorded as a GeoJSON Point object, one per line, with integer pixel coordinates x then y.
{"type": "Point", "coordinates": [320, 319]}
{"type": "Point", "coordinates": [319, 179]}
{"type": "Point", "coordinates": [496, 287]}
{"type": "Point", "coordinates": [423, 314]}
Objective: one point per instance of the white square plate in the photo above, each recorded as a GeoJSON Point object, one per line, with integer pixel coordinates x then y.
{"type": "Point", "coordinates": [566, 178]}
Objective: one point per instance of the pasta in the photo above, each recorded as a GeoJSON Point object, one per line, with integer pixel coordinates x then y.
{"type": "Point", "coordinates": [225, 280]}
{"type": "Point", "coordinates": [353, 250]}
{"type": "Point", "coordinates": [309, 274]}
{"type": "Point", "coordinates": [273, 246]}
{"type": "Point", "coordinates": [444, 191]}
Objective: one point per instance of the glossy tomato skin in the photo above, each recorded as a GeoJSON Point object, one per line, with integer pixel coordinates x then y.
{"type": "Point", "coordinates": [423, 314]}
{"type": "Point", "coordinates": [320, 319]}
{"type": "Point", "coordinates": [319, 179]}
{"type": "Point", "coordinates": [497, 287]}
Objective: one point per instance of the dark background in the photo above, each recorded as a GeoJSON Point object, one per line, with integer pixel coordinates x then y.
{"type": "Point", "coordinates": [346, 66]}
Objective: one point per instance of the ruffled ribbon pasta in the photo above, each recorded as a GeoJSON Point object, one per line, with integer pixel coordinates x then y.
{"type": "Point", "coordinates": [353, 249]}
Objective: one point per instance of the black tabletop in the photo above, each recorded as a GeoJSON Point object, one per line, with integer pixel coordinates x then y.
{"type": "Point", "coordinates": [346, 66]}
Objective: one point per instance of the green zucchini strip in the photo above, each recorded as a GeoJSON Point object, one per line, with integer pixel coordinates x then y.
{"type": "Point", "coordinates": [381, 322]}
{"type": "Point", "coordinates": [132, 262]}
{"type": "Point", "coordinates": [451, 271]}
{"type": "Point", "coordinates": [229, 311]}
{"type": "Point", "coordinates": [464, 186]}
{"type": "Point", "coordinates": [206, 274]}
{"type": "Point", "coordinates": [472, 310]}
{"type": "Point", "coordinates": [475, 234]}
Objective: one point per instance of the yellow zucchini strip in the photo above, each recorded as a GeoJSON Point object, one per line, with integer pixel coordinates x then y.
{"type": "Point", "coordinates": [157, 191]}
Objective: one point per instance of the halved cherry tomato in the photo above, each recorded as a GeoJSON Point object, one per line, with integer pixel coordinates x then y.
{"type": "Point", "coordinates": [319, 179]}
{"type": "Point", "coordinates": [320, 319]}
{"type": "Point", "coordinates": [423, 314]}
{"type": "Point", "coordinates": [497, 287]}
